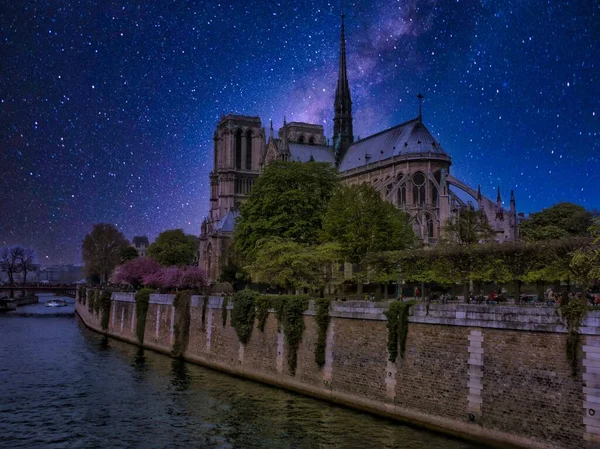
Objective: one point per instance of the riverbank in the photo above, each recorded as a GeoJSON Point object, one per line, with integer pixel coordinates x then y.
{"type": "Point", "coordinates": [494, 375]}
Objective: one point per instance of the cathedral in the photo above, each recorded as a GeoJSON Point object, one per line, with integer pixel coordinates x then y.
{"type": "Point", "coordinates": [405, 163]}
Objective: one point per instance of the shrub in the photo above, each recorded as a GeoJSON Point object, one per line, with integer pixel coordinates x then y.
{"type": "Point", "coordinates": [242, 315]}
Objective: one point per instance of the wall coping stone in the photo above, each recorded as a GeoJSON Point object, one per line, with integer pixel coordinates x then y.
{"type": "Point", "coordinates": [123, 296]}
{"type": "Point", "coordinates": [156, 298]}
{"type": "Point", "coordinates": [536, 319]}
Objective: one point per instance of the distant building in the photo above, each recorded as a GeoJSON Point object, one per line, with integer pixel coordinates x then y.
{"type": "Point", "coordinates": [64, 274]}
{"type": "Point", "coordinates": [141, 243]}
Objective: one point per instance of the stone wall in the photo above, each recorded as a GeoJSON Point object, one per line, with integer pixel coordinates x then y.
{"type": "Point", "coordinates": [496, 374]}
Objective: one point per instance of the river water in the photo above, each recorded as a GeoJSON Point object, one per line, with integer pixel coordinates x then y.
{"type": "Point", "coordinates": [64, 386]}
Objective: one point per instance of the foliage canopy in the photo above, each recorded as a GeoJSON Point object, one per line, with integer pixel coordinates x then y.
{"type": "Point", "coordinates": [288, 200]}
{"type": "Point", "coordinates": [360, 221]}
{"type": "Point", "coordinates": [101, 250]}
{"type": "Point", "coordinates": [558, 221]}
{"type": "Point", "coordinates": [173, 247]}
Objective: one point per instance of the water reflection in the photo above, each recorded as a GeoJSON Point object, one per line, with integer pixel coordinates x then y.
{"type": "Point", "coordinates": [67, 386]}
{"type": "Point", "coordinates": [181, 379]}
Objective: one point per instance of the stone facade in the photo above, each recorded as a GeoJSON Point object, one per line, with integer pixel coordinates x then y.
{"type": "Point", "coordinates": [497, 374]}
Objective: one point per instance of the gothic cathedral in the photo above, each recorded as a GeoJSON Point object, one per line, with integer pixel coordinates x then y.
{"type": "Point", "coordinates": [405, 163]}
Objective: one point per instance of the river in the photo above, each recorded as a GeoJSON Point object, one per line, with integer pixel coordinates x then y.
{"type": "Point", "coordinates": [64, 386]}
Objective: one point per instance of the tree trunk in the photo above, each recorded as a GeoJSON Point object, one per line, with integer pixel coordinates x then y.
{"type": "Point", "coordinates": [540, 289]}
{"type": "Point", "coordinates": [422, 290]}
{"type": "Point", "coordinates": [359, 288]}
{"type": "Point", "coordinates": [517, 292]}
{"type": "Point", "coordinates": [385, 291]}
{"type": "Point", "coordinates": [466, 291]}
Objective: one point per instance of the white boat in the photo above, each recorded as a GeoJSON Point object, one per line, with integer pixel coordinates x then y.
{"type": "Point", "coordinates": [56, 303]}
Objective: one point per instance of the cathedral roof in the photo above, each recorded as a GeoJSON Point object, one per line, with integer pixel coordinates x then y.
{"type": "Point", "coordinates": [411, 137]}
{"type": "Point", "coordinates": [302, 153]}
{"type": "Point", "coordinates": [227, 223]}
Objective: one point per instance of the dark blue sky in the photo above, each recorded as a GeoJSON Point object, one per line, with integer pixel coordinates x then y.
{"type": "Point", "coordinates": [108, 108]}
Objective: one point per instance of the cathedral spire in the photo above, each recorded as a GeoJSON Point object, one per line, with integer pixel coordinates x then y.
{"type": "Point", "coordinates": [499, 198]}
{"type": "Point", "coordinates": [342, 120]}
{"type": "Point", "coordinates": [420, 97]}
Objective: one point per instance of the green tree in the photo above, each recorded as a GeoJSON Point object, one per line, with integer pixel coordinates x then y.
{"type": "Point", "coordinates": [468, 228]}
{"type": "Point", "coordinates": [361, 222]}
{"type": "Point", "coordinates": [585, 262]}
{"type": "Point", "coordinates": [174, 247]}
{"type": "Point", "coordinates": [128, 253]}
{"type": "Point", "coordinates": [288, 200]}
{"type": "Point", "coordinates": [101, 250]}
{"type": "Point", "coordinates": [558, 221]}
{"type": "Point", "coordinates": [289, 264]}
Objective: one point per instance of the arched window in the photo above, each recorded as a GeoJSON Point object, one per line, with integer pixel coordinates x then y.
{"type": "Point", "coordinates": [434, 194]}
{"type": "Point", "coordinates": [301, 139]}
{"type": "Point", "coordinates": [311, 141]}
{"type": "Point", "coordinates": [238, 148]}
{"type": "Point", "coordinates": [402, 195]}
{"type": "Point", "coordinates": [429, 223]}
{"type": "Point", "coordinates": [419, 189]}
{"type": "Point", "coordinates": [249, 150]}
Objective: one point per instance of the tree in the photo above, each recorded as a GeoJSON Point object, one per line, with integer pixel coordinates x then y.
{"type": "Point", "coordinates": [26, 260]}
{"type": "Point", "coordinates": [10, 261]}
{"type": "Point", "coordinates": [585, 262]}
{"type": "Point", "coordinates": [101, 250]}
{"type": "Point", "coordinates": [468, 228]}
{"type": "Point", "coordinates": [128, 253]}
{"type": "Point", "coordinates": [558, 221]}
{"type": "Point", "coordinates": [288, 200]}
{"type": "Point", "coordinates": [133, 271]}
{"type": "Point", "coordinates": [169, 278]}
{"type": "Point", "coordinates": [289, 264]}
{"type": "Point", "coordinates": [361, 222]}
{"type": "Point", "coordinates": [173, 247]}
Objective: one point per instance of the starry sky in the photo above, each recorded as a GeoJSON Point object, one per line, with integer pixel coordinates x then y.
{"type": "Point", "coordinates": [108, 108]}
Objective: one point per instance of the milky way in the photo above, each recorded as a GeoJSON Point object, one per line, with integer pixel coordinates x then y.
{"type": "Point", "coordinates": [108, 108]}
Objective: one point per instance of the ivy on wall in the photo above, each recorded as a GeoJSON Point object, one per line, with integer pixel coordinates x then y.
{"type": "Point", "coordinates": [91, 296]}
{"type": "Point", "coordinates": [96, 304]}
{"type": "Point", "coordinates": [142, 299]}
{"type": "Point", "coordinates": [204, 307]}
{"type": "Point", "coordinates": [573, 313]}
{"type": "Point", "coordinates": [181, 329]}
{"type": "Point", "coordinates": [81, 293]}
{"type": "Point", "coordinates": [103, 301]}
{"type": "Point", "coordinates": [224, 310]}
{"type": "Point", "coordinates": [293, 326]}
{"type": "Point", "coordinates": [263, 304]}
{"type": "Point", "coordinates": [243, 313]}
{"type": "Point", "coordinates": [322, 318]}
{"type": "Point", "coordinates": [397, 325]}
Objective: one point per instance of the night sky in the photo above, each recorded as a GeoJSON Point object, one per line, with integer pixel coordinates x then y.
{"type": "Point", "coordinates": [108, 108]}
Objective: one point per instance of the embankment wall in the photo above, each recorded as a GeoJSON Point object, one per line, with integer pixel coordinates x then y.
{"type": "Point", "coordinates": [496, 374]}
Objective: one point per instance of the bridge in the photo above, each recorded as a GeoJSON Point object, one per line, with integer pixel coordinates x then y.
{"type": "Point", "coordinates": [69, 290]}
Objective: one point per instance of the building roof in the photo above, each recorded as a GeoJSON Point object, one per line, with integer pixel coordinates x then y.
{"type": "Point", "coordinates": [411, 137]}
{"type": "Point", "coordinates": [140, 240]}
{"type": "Point", "coordinates": [303, 152]}
{"type": "Point", "coordinates": [227, 223]}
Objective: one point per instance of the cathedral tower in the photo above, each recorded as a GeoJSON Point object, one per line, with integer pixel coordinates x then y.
{"type": "Point", "coordinates": [342, 120]}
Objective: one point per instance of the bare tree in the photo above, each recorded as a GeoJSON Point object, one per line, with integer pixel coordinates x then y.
{"type": "Point", "coordinates": [101, 250]}
{"type": "Point", "coordinates": [26, 262]}
{"type": "Point", "coordinates": [10, 258]}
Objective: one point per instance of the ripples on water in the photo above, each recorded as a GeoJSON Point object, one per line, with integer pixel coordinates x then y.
{"type": "Point", "coordinates": [63, 386]}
